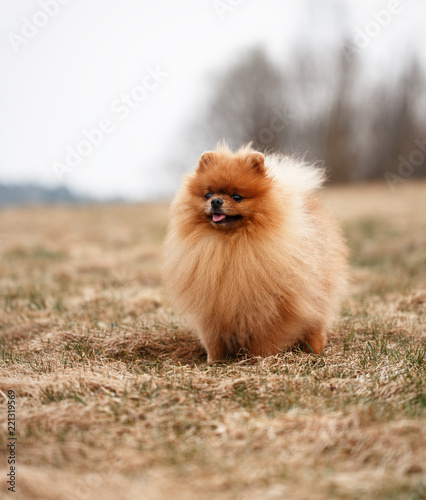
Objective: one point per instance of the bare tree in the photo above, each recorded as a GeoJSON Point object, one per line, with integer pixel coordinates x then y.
{"type": "Point", "coordinates": [321, 106]}
{"type": "Point", "coordinates": [247, 105]}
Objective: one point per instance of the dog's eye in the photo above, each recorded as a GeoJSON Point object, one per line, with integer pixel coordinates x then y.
{"type": "Point", "coordinates": [237, 198]}
{"type": "Point", "coordinates": [208, 195]}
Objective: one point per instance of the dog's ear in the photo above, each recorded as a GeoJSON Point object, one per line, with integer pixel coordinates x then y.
{"type": "Point", "coordinates": [257, 162]}
{"type": "Point", "coordinates": [207, 159]}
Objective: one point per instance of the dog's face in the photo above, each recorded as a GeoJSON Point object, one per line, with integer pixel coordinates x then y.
{"type": "Point", "coordinates": [230, 191]}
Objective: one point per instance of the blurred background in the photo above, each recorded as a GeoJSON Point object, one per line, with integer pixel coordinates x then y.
{"type": "Point", "coordinates": [114, 100]}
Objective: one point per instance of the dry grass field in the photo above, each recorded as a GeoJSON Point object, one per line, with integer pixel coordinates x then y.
{"type": "Point", "coordinates": [115, 399]}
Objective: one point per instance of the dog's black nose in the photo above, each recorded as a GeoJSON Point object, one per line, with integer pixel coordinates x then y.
{"type": "Point", "coordinates": [217, 202]}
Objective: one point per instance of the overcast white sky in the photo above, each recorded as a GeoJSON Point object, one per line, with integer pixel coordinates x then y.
{"type": "Point", "coordinates": [87, 55]}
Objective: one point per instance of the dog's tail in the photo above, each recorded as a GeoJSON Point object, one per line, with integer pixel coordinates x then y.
{"type": "Point", "coordinates": [295, 173]}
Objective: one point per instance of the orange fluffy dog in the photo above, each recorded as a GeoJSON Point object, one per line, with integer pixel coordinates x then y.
{"type": "Point", "coordinates": [251, 258]}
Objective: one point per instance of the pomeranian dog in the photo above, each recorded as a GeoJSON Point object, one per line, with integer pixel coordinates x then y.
{"type": "Point", "coordinates": [251, 258]}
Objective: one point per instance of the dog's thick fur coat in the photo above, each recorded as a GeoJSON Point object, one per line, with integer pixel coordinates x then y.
{"type": "Point", "coordinates": [269, 273]}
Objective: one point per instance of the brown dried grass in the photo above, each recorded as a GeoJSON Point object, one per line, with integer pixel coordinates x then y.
{"type": "Point", "coordinates": [116, 400]}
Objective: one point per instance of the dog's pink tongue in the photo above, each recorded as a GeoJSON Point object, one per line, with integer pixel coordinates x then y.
{"type": "Point", "coordinates": [218, 217]}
